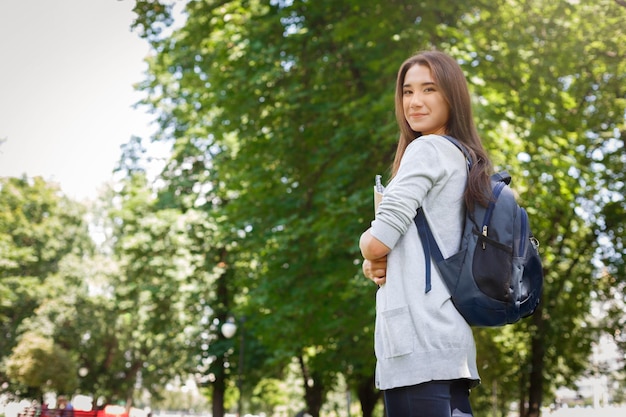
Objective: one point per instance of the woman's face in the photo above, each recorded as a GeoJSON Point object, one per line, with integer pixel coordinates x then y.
{"type": "Point", "coordinates": [425, 108]}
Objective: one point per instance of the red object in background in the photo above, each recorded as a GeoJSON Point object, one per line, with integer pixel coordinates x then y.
{"type": "Point", "coordinates": [108, 411]}
{"type": "Point", "coordinates": [112, 411]}
{"type": "Point", "coordinates": [81, 413]}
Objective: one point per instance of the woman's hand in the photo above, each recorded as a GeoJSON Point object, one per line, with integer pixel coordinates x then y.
{"type": "Point", "coordinates": [375, 258]}
{"type": "Point", "coordinates": [376, 270]}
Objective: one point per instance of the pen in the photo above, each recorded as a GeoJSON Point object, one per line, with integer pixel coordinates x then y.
{"type": "Point", "coordinates": [379, 185]}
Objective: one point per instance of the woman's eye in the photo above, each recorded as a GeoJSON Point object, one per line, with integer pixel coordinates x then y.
{"type": "Point", "coordinates": [406, 92]}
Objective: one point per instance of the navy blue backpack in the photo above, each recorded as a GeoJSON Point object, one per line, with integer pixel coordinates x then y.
{"type": "Point", "coordinates": [496, 278]}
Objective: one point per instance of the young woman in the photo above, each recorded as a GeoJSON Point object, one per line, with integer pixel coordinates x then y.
{"type": "Point", "coordinates": [426, 355]}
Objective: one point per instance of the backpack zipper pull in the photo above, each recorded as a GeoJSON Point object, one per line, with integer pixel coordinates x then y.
{"type": "Point", "coordinates": [484, 234]}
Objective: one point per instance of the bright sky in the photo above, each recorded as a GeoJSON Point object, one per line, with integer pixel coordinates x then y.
{"type": "Point", "coordinates": [67, 69]}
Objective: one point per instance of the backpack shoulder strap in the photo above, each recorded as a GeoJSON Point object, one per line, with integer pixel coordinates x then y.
{"type": "Point", "coordinates": [503, 176]}
{"type": "Point", "coordinates": [463, 149]}
{"type": "Point", "coordinates": [429, 244]}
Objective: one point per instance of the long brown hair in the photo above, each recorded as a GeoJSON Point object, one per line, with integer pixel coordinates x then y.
{"type": "Point", "coordinates": [451, 81]}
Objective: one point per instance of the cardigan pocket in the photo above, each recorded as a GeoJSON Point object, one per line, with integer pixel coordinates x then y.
{"type": "Point", "coordinates": [398, 332]}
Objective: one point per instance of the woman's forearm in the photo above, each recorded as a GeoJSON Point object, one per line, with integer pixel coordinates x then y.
{"type": "Point", "coordinates": [372, 248]}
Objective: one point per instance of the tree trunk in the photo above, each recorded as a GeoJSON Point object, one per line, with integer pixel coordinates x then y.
{"type": "Point", "coordinates": [522, 393]}
{"type": "Point", "coordinates": [313, 390]}
{"type": "Point", "coordinates": [222, 310]}
{"type": "Point", "coordinates": [219, 387]}
{"type": "Point", "coordinates": [368, 395]}
{"type": "Point", "coordinates": [535, 388]}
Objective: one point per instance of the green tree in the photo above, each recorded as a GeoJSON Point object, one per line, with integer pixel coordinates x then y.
{"type": "Point", "coordinates": [151, 290]}
{"type": "Point", "coordinates": [39, 228]}
{"type": "Point", "coordinates": [188, 185]}
{"type": "Point", "coordinates": [79, 313]}
{"type": "Point", "coordinates": [38, 364]}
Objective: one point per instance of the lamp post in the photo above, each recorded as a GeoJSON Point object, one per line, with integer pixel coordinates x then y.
{"type": "Point", "coordinates": [228, 330]}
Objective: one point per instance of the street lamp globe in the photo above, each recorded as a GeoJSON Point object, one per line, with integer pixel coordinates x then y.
{"type": "Point", "coordinates": [229, 329]}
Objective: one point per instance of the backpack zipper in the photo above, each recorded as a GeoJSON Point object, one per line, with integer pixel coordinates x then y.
{"type": "Point", "coordinates": [523, 228]}
{"type": "Point", "coordinates": [487, 219]}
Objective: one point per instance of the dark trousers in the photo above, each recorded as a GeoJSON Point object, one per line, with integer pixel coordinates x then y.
{"type": "Point", "coordinates": [431, 399]}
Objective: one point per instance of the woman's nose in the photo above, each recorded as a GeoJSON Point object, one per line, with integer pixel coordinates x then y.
{"type": "Point", "coordinates": [416, 100]}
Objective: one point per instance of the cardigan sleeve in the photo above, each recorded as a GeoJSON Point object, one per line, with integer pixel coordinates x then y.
{"type": "Point", "coordinates": [426, 161]}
